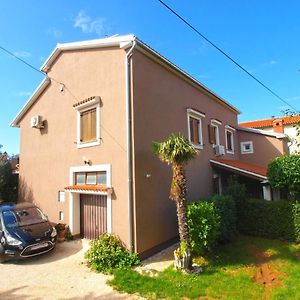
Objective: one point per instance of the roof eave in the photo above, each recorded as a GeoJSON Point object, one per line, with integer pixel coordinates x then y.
{"type": "Point", "coordinates": [256, 175]}
{"type": "Point", "coordinates": [263, 132]}
{"type": "Point", "coordinates": [39, 90]}
{"type": "Point", "coordinates": [98, 43]}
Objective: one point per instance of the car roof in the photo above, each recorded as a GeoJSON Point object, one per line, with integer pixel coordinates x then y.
{"type": "Point", "coordinates": [14, 206]}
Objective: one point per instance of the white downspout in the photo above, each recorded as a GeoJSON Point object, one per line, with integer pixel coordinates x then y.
{"type": "Point", "coordinates": [129, 144]}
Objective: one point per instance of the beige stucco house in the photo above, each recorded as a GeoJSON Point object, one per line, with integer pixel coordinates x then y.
{"type": "Point", "coordinates": [86, 141]}
{"type": "Point", "coordinates": [285, 124]}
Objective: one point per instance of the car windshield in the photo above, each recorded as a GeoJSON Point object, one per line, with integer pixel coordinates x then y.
{"type": "Point", "coordinates": [23, 217]}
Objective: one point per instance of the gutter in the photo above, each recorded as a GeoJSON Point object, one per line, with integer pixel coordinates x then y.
{"type": "Point", "coordinates": [129, 143]}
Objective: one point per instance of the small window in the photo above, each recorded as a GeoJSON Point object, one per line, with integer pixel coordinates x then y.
{"type": "Point", "coordinates": [91, 178]}
{"type": "Point", "coordinates": [61, 196]}
{"type": "Point", "coordinates": [101, 180]}
{"type": "Point", "coordinates": [98, 178]}
{"type": "Point", "coordinates": [247, 147]}
{"type": "Point", "coordinates": [61, 216]}
{"type": "Point", "coordinates": [229, 141]}
{"type": "Point", "coordinates": [195, 128]}
{"type": "Point", "coordinates": [80, 178]}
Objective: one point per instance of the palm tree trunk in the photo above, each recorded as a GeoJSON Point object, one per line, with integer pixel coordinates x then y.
{"type": "Point", "coordinates": [178, 194]}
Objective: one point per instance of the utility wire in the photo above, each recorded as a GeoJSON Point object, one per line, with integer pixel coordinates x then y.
{"type": "Point", "coordinates": [22, 60]}
{"type": "Point", "coordinates": [225, 54]}
{"type": "Point", "coordinates": [27, 64]}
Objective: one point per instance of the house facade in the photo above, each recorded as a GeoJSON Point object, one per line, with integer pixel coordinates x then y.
{"type": "Point", "coordinates": [286, 125]}
{"type": "Point", "coordinates": [86, 141]}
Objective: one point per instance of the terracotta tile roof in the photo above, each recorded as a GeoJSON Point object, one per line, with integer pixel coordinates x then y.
{"type": "Point", "coordinates": [269, 122]}
{"type": "Point", "coordinates": [84, 101]}
{"type": "Point", "coordinates": [88, 187]}
{"type": "Point", "coordinates": [241, 166]}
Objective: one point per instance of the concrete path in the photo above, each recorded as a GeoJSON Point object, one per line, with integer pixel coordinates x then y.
{"type": "Point", "coordinates": [60, 274]}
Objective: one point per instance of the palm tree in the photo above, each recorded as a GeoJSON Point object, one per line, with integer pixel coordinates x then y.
{"type": "Point", "coordinates": [177, 151]}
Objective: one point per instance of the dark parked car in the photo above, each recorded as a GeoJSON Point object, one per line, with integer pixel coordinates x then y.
{"type": "Point", "coordinates": [24, 231]}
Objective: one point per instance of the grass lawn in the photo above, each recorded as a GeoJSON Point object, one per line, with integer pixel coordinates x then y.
{"type": "Point", "coordinates": [249, 268]}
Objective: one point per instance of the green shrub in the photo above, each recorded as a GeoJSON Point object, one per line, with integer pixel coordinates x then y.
{"type": "Point", "coordinates": [204, 226]}
{"type": "Point", "coordinates": [284, 172]}
{"type": "Point", "coordinates": [107, 253]}
{"type": "Point", "coordinates": [271, 219]}
{"type": "Point", "coordinates": [226, 210]}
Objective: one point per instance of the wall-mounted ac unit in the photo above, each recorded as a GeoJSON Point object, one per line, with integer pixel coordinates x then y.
{"type": "Point", "coordinates": [219, 150]}
{"type": "Point", "coordinates": [36, 122]}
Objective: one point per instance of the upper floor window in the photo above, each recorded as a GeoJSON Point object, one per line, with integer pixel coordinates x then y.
{"type": "Point", "coordinates": [229, 135]}
{"type": "Point", "coordinates": [247, 147]}
{"type": "Point", "coordinates": [88, 122]}
{"type": "Point", "coordinates": [214, 134]}
{"type": "Point", "coordinates": [195, 128]}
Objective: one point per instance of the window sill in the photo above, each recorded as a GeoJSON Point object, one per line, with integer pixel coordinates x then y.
{"type": "Point", "coordinates": [229, 152]}
{"type": "Point", "coordinates": [198, 147]}
{"type": "Point", "coordinates": [88, 144]}
{"type": "Point", "coordinates": [249, 152]}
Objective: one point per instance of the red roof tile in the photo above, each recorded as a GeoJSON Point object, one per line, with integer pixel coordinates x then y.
{"type": "Point", "coordinates": [269, 122]}
{"type": "Point", "coordinates": [88, 187]}
{"type": "Point", "coordinates": [240, 165]}
{"type": "Point", "coordinates": [84, 101]}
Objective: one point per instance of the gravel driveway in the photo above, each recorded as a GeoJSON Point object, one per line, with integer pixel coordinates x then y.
{"type": "Point", "coordinates": [56, 275]}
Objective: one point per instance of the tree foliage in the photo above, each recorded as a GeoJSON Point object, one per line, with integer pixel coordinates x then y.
{"type": "Point", "coordinates": [8, 180]}
{"type": "Point", "coordinates": [284, 172]}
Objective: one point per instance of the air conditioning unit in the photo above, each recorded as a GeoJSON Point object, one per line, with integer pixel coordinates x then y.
{"type": "Point", "coordinates": [219, 150]}
{"type": "Point", "coordinates": [36, 122]}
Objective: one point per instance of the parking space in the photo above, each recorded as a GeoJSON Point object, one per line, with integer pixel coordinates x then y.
{"type": "Point", "coordinates": [60, 274]}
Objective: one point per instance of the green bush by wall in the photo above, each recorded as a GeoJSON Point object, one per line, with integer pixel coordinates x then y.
{"type": "Point", "coordinates": [275, 219]}
{"type": "Point", "coordinates": [211, 222]}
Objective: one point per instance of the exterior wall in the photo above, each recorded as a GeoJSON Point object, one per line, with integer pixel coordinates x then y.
{"type": "Point", "coordinates": [160, 101]}
{"type": "Point", "coordinates": [265, 148]}
{"type": "Point", "coordinates": [47, 155]}
{"type": "Point", "coordinates": [291, 132]}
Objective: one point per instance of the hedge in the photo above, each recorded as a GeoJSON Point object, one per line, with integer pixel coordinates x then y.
{"type": "Point", "coordinates": [211, 222]}
{"type": "Point", "coordinates": [271, 219]}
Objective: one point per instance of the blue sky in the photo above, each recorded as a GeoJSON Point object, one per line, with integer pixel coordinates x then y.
{"type": "Point", "coordinates": [263, 36]}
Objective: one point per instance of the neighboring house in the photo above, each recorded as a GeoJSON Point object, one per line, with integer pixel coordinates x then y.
{"type": "Point", "coordinates": [86, 141]}
{"type": "Point", "coordinates": [287, 125]}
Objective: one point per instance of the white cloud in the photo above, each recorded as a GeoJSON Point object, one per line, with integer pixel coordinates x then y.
{"type": "Point", "coordinates": [22, 54]}
{"type": "Point", "coordinates": [24, 94]}
{"type": "Point", "coordinates": [89, 25]}
{"type": "Point", "coordinates": [56, 33]}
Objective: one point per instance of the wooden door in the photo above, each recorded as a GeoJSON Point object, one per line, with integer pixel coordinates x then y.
{"type": "Point", "coordinates": [93, 215]}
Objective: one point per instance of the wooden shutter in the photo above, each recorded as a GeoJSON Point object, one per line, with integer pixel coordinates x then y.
{"type": "Point", "coordinates": [84, 126]}
{"type": "Point", "coordinates": [93, 125]}
{"type": "Point", "coordinates": [88, 126]}
{"type": "Point", "coordinates": [194, 130]}
{"type": "Point", "coordinates": [211, 134]}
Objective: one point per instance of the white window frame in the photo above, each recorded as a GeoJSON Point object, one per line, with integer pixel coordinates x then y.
{"type": "Point", "coordinates": [244, 151]}
{"type": "Point", "coordinates": [231, 131]}
{"type": "Point", "coordinates": [191, 113]}
{"type": "Point", "coordinates": [95, 103]}
{"type": "Point", "coordinates": [216, 124]}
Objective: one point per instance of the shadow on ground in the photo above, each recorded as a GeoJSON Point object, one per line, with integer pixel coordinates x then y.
{"type": "Point", "coordinates": [61, 251]}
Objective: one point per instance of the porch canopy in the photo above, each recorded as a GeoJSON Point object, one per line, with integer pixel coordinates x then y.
{"type": "Point", "coordinates": [241, 168]}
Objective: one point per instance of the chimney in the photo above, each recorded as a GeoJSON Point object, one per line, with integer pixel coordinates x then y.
{"type": "Point", "coordinates": [278, 125]}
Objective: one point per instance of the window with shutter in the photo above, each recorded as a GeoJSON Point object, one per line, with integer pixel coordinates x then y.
{"type": "Point", "coordinates": [88, 126]}
{"type": "Point", "coordinates": [195, 128]}
{"type": "Point", "coordinates": [88, 123]}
